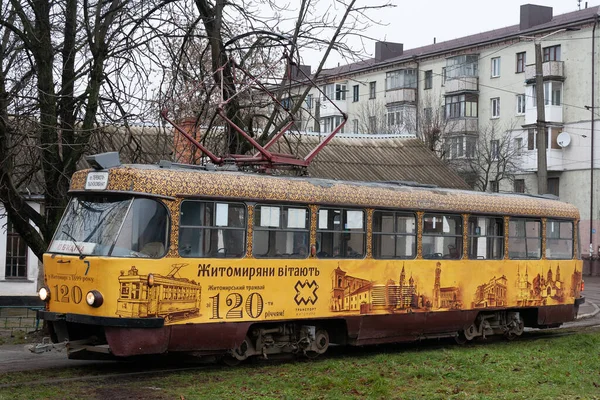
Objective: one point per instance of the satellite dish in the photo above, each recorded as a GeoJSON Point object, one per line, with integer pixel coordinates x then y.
{"type": "Point", "coordinates": [563, 139]}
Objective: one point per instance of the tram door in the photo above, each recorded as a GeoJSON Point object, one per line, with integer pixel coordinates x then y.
{"type": "Point", "coordinates": [153, 300]}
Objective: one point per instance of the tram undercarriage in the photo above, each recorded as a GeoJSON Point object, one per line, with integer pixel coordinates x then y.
{"type": "Point", "coordinates": [236, 342]}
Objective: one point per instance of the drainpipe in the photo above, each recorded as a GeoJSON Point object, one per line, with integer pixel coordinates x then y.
{"type": "Point", "coordinates": [592, 138]}
{"type": "Point", "coordinates": [417, 99]}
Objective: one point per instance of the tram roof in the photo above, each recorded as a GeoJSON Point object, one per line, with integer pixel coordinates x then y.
{"type": "Point", "coordinates": [175, 181]}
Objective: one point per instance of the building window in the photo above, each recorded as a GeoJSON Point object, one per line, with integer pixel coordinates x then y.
{"type": "Point", "coordinates": [355, 93]}
{"type": "Point", "coordinates": [471, 143]}
{"type": "Point", "coordinates": [456, 147]}
{"type": "Point", "coordinates": [520, 62]}
{"type": "Point", "coordinates": [553, 184]}
{"type": "Point", "coordinates": [494, 186]}
{"type": "Point", "coordinates": [328, 124]}
{"type": "Point", "coordinates": [395, 118]}
{"type": "Point", "coordinates": [372, 124]}
{"type": "Point", "coordinates": [372, 90]}
{"type": "Point", "coordinates": [518, 142]}
{"type": "Point", "coordinates": [495, 149]}
{"type": "Point", "coordinates": [461, 106]}
{"type": "Point", "coordinates": [495, 67]}
{"type": "Point", "coordinates": [309, 101]}
{"type": "Point", "coordinates": [552, 53]}
{"type": "Point", "coordinates": [340, 92]}
{"type": "Point", "coordinates": [462, 66]}
{"type": "Point", "coordinates": [519, 186]}
{"type": "Point", "coordinates": [428, 79]}
{"type": "Point", "coordinates": [496, 107]}
{"type": "Point", "coordinates": [552, 93]}
{"type": "Point", "coordinates": [401, 79]}
{"type": "Point", "coordinates": [354, 126]}
{"type": "Point", "coordinates": [16, 254]}
{"type": "Point", "coordinates": [520, 104]}
{"type": "Point", "coordinates": [551, 138]}
{"type": "Point", "coordinates": [443, 76]}
{"type": "Point", "coordinates": [428, 115]}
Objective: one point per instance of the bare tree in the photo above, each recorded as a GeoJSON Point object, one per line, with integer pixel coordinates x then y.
{"type": "Point", "coordinates": [308, 27]}
{"type": "Point", "coordinates": [432, 126]}
{"type": "Point", "coordinates": [492, 160]}
{"type": "Point", "coordinates": [66, 68]}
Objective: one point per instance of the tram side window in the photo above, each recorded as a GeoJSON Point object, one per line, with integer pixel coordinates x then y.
{"type": "Point", "coordinates": [340, 233]}
{"type": "Point", "coordinates": [486, 238]}
{"type": "Point", "coordinates": [559, 239]}
{"type": "Point", "coordinates": [212, 229]}
{"type": "Point", "coordinates": [524, 239]}
{"type": "Point", "coordinates": [394, 235]}
{"type": "Point", "coordinates": [442, 236]}
{"type": "Point", "coordinates": [280, 232]}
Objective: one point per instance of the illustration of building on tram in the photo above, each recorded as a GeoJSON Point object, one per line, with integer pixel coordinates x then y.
{"type": "Point", "coordinates": [158, 296]}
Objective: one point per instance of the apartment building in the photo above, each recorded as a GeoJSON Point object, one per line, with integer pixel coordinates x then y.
{"type": "Point", "coordinates": [478, 94]}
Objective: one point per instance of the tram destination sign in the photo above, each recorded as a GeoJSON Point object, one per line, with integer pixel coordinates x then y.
{"type": "Point", "coordinates": [96, 181]}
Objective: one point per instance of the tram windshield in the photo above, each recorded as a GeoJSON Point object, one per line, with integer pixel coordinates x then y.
{"type": "Point", "coordinates": [112, 226]}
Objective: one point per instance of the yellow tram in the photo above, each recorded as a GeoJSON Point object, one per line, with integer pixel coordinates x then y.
{"type": "Point", "coordinates": [157, 259]}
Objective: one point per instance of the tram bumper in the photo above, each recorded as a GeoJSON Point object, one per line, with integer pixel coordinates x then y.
{"type": "Point", "coordinates": [92, 337]}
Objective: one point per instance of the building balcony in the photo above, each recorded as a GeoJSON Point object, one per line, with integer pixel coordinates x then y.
{"type": "Point", "coordinates": [462, 84]}
{"type": "Point", "coordinates": [328, 109]}
{"type": "Point", "coordinates": [553, 114]}
{"type": "Point", "coordinates": [461, 125]}
{"type": "Point", "coordinates": [554, 160]}
{"type": "Point", "coordinates": [402, 95]}
{"type": "Point", "coordinates": [550, 70]}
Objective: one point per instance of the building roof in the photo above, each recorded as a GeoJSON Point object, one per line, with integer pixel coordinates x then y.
{"type": "Point", "coordinates": [373, 160]}
{"type": "Point", "coordinates": [509, 32]}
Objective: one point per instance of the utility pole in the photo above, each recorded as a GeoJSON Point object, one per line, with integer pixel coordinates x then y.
{"type": "Point", "coordinates": [542, 167]}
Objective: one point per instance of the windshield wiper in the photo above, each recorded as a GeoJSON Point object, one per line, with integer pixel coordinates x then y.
{"type": "Point", "coordinates": [81, 255]}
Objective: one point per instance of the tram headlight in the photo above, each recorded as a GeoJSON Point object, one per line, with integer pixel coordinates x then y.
{"type": "Point", "coordinates": [150, 280]}
{"type": "Point", "coordinates": [44, 293]}
{"type": "Point", "coordinates": [94, 298]}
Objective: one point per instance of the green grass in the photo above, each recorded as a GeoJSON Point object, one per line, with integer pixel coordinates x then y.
{"type": "Point", "coordinates": [549, 368]}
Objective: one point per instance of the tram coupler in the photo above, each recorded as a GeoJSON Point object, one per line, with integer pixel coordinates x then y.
{"type": "Point", "coordinates": [46, 346]}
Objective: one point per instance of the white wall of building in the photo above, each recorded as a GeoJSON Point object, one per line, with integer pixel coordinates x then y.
{"type": "Point", "coordinates": [17, 287]}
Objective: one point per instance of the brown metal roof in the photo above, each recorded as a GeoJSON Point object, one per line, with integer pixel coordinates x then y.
{"type": "Point", "coordinates": [373, 160]}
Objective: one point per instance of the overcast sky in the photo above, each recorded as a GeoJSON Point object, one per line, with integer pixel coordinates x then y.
{"type": "Point", "coordinates": [415, 23]}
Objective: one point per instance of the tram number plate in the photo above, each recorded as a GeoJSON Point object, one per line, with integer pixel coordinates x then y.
{"type": "Point", "coordinates": [66, 294]}
{"type": "Point", "coordinates": [253, 306]}
{"type": "Point", "coordinates": [96, 181]}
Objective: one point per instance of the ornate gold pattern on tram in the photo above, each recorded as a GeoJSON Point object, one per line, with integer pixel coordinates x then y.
{"type": "Point", "coordinates": [506, 225]}
{"type": "Point", "coordinates": [370, 233]}
{"type": "Point", "coordinates": [313, 228]}
{"type": "Point", "coordinates": [420, 234]}
{"type": "Point", "coordinates": [250, 229]}
{"type": "Point", "coordinates": [465, 239]}
{"type": "Point", "coordinates": [238, 185]}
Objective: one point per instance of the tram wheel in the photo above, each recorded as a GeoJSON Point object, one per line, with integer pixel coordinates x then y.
{"type": "Point", "coordinates": [230, 360]}
{"type": "Point", "coordinates": [321, 344]}
{"type": "Point", "coordinates": [515, 333]}
{"type": "Point", "coordinates": [460, 338]}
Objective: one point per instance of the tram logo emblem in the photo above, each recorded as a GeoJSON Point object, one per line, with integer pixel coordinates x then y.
{"type": "Point", "coordinates": [306, 292]}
